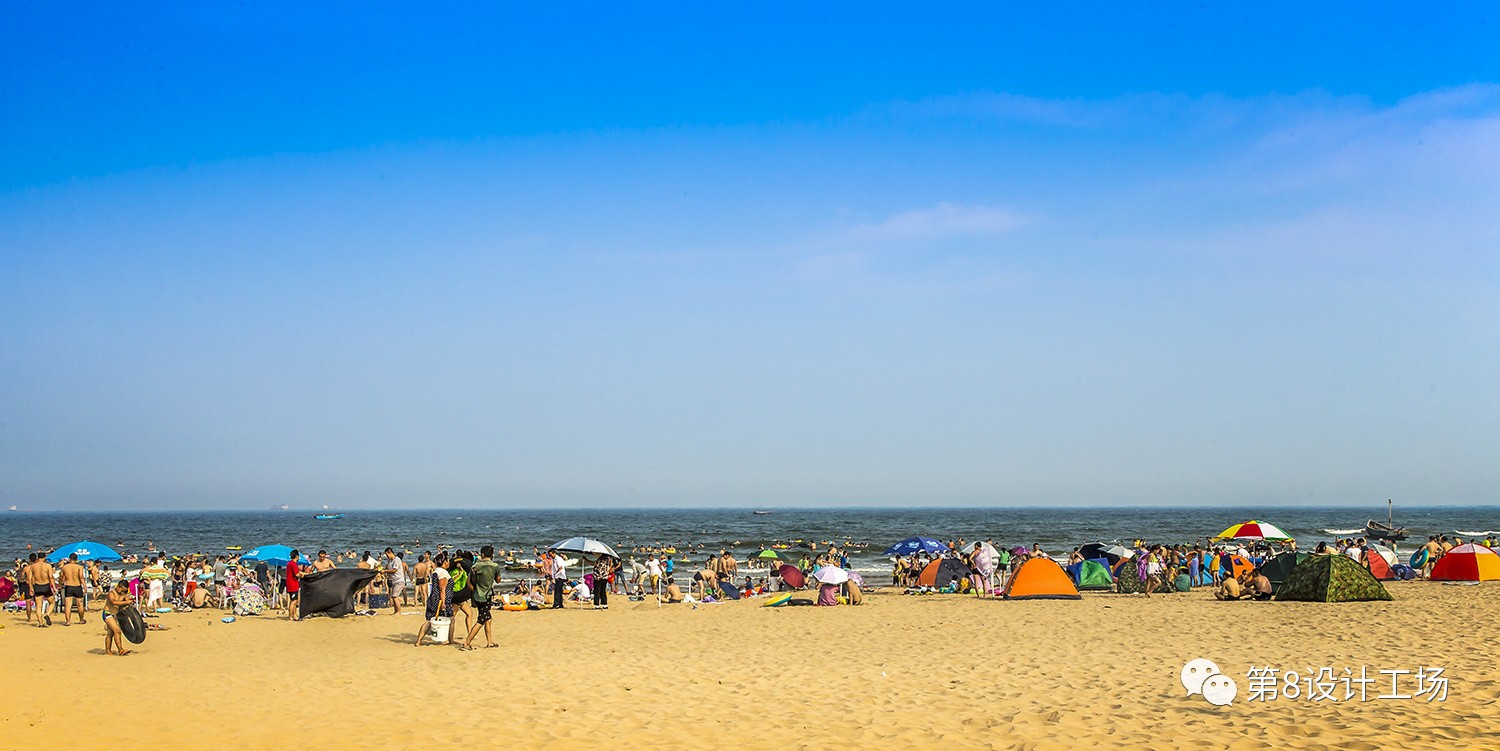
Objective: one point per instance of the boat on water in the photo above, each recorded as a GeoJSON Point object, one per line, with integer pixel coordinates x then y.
{"type": "Point", "coordinates": [328, 517]}
{"type": "Point", "coordinates": [1387, 531]}
{"type": "Point", "coordinates": [762, 513]}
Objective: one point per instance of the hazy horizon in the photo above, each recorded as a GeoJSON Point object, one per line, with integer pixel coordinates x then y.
{"type": "Point", "coordinates": [713, 256]}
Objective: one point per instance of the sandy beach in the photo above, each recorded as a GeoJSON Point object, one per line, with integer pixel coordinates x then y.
{"type": "Point", "coordinates": [899, 672]}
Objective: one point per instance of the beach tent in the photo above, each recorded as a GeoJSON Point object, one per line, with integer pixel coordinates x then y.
{"type": "Point", "coordinates": [1041, 579]}
{"type": "Point", "coordinates": [942, 572]}
{"type": "Point", "coordinates": [1280, 567]}
{"type": "Point", "coordinates": [1128, 579]}
{"type": "Point", "coordinates": [87, 551]}
{"type": "Point", "coordinates": [1331, 578]}
{"type": "Point", "coordinates": [1092, 574]}
{"type": "Point", "coordinates": [1468, 563]}
{"type": "Point", "coordinates": [1379, 567]}
{"type": "Point", "coordinates": [1234, 565]}
{"type": "Point", "coordinates": [331, 592]}
{"type": "Point", "coordinates": [913, 545]}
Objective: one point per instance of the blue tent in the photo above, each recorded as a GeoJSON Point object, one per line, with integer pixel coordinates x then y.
{"type": "Point", "coordinates": [276, 555]}
{"type": "Point", "coordinates": [87, 550]}
{"type": "Point", "coordinates": [913, 545]}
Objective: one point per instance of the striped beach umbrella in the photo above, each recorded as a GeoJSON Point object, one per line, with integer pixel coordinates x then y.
{"type": "Point", "coordinates": [1253, 530]}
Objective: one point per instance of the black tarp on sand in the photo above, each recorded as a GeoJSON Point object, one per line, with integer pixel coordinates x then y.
{"type": "Point", "coordinates": [331, 592]}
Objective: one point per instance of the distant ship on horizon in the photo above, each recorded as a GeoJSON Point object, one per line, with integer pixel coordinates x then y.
{"type": "Point", "coordinates": [280, 507]}
{"type": "Point", "coordinates": [13, 508]}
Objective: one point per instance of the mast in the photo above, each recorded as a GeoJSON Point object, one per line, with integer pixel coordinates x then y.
{"type": "Point", "coordinates": [1388, 520]}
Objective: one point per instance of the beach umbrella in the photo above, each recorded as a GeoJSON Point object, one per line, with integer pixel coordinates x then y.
{"type": "Point", "coordinates": [1253, 530]}
{"type": "Point", "coordinates": [87, 551]}
{"type": "Point", "coordinates": [855, 577]}
{"type": "Point", "coordinates": [769, 555]}
{"type": "Point", "coordinates": [916, 545]}
{"type": "Point", "coordinates": [791, 575]}
{"type": "Point", "coordinates": [1112, 553]}
{"type": "Point", "coordinates": [583, 545]}
{"type": "Point", "coordinates": [831, 575]}
{"type": "Point", "coordinates": [276, 555]}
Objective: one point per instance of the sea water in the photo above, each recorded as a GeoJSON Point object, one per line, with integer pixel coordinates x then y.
{"type": "Point", "coordinates": [698, 532]}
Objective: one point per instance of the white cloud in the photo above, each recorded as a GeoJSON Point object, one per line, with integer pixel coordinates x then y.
{"type": "Point", "coordinates": [941, 221]}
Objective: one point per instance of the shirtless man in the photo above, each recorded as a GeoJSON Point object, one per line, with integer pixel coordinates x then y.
{"type": "Point", "coordinates": [673, 592]}
{"type": "Point", "coordinates": [114, 638]}
{"type": "Point", "coordinates": [324, 563]}
{"type": "Point", "coordinates": [420, 572]}
{"type": "Point", "coordinates": [72, 574]}
{"type": "Point", "coordinates": [39, 576]}
{"type": "Point", "coordinates": [1434, 552]}
{"type": "Point", "coordinates": [728, 566]}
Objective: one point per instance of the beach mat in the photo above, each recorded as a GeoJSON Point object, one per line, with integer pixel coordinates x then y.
{"type": "Point", "coordinates": [331, 592]}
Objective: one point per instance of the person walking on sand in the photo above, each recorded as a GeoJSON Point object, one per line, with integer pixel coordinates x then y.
{"type": "Point", "coordinates": [114, 639]}
{"type": "Point", "coordinates": [437, 598]}
{"type": "Point", "coordinates": [39, 576]}
{"type": "Point", "coordinates": [482, 578]}
{"type": "Point", "coordinates": [1434, 552]}
{"type": "Point", "coordinates": [156, 576]}
{"type": "Point", "coordinates": [420, 572]}
{"type": "Point", "coordinates": [72, 575]}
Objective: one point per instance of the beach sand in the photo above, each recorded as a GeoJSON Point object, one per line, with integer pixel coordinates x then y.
{"type": "Point", "coordinates": [901, 672]}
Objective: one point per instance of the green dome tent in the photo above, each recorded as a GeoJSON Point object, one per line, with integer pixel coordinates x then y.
{"type": "Point", "coordinates": [1280, 567]}
{"type": "Point", "coordinates": [1331, 578]}
{"type": "Point", "coordinates": [1093, 574]}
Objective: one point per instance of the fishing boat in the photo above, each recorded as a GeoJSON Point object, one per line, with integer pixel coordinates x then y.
{"type": "Point", "coordinates": [1388, 531]}
{"type": "Point", "coordinates": [328, 517]}
{"type": "Point", "coordinates": [762, 513]}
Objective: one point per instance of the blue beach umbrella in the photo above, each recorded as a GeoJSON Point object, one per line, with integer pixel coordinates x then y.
{"type": "Point", "coordinates": [276, 555]}
{"type": "Point", "coordinates": [916, 545]}
{"type": "Point", "coordinates": [87, 550]}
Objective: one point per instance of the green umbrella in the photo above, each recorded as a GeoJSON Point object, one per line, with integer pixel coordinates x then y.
{"type": "Point", "coordinates": [769, 554]}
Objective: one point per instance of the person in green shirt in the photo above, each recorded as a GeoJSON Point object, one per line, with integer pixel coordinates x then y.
{"type": "Point", "coordinates": [482, 576]}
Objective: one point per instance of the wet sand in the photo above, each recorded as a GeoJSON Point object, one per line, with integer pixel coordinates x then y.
{"type": "Point", "coordinates": [901, 672]}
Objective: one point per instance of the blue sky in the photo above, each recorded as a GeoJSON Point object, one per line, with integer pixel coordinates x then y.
{"type": "Point", "coordinates": [755, 255]}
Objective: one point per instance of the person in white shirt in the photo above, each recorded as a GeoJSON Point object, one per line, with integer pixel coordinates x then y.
{"type": "Point", "coordinates": [653, 574]}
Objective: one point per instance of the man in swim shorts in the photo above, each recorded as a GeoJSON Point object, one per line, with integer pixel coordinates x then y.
{"type": "Point", "coordinates": [39, 575]}
{"type": "Point", "coordinates": [114, 638]}
{"type": "Point", "coordinates": [71, 575]}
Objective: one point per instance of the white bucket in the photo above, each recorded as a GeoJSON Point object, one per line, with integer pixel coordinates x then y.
{"type": "Point", "coordinates": [440, 629]}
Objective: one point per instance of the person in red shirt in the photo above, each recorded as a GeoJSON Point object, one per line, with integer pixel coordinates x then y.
{"type": "Point", "coordinates": [293, 586]}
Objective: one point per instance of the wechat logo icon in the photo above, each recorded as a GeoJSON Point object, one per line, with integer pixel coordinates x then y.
{"type": "Point", "coordinates": [1202, 677]}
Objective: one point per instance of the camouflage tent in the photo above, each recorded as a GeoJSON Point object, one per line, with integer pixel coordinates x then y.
{"type": "Point", "coordinates": [1128, 579]}
{"type": "Point", "coordinates": [1331, 578]}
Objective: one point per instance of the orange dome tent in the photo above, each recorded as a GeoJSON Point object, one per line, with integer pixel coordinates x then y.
{"type": "Point", "coordinates": [1468, 563]}
{"type": "Point", "coordinates": [1041, 579]}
